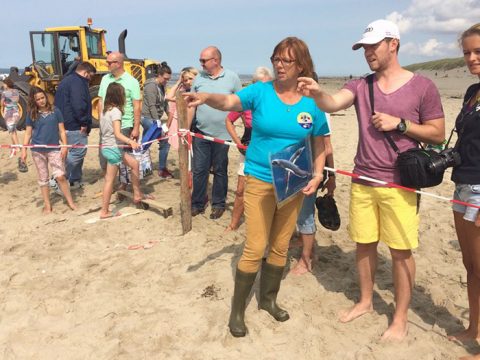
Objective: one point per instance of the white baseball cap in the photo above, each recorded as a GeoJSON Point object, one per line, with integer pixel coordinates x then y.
{"type": "Point", "coordinates": [377, 31]}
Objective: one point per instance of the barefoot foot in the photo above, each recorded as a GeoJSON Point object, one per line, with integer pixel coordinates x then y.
{"type": "Point", "coordinates": [139, 199]}
{"type": "Point", "coordinates": [303, 266]}
{"type": "Point", "coordinates": [464, 336]}
{"type": "Point", "coordinates": [396, 332]}
{"type": "Point", "coordinates": [105, 215]}
{"type": "Point", "coordinates": [109, 214]}
{"type": "Point", "coordinates": [47, 210]}
{"type": "Point", "coordinates": [230, 228]}
{"type": "Point", "coordinates": [354, 312]}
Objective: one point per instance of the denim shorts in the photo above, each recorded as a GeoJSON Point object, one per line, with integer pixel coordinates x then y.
{"type": "Point", "coordinates": [306, 218]}
{"type": "Point", "coordinates": [469, 194]}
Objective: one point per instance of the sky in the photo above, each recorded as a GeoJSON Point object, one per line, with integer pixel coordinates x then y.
{"type": "Point", "coordinates": [245, 31]}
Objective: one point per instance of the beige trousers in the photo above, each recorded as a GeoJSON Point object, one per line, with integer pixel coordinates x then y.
{"type": "Point", "coordinates": [267, 224]}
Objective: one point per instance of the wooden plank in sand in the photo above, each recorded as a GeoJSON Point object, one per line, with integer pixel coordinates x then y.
{"type": "Point", "coordinates": [185, 195]}
{"type": "Point", "coordinates": [164, 210]}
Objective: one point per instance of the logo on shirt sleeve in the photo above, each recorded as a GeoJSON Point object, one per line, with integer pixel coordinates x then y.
{"type": "Point", "coordinates": [304, 119]}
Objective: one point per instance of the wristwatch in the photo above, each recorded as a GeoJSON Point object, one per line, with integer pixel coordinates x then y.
{"type": "Point", "coordinates": [402, 126]}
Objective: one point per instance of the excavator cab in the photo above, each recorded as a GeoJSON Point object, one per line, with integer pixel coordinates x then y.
{"type": "Point", "coordinates": [56, 51]}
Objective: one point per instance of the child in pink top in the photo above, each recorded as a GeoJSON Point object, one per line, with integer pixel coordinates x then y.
{"type": "Point", "coordinates": [183, 84]}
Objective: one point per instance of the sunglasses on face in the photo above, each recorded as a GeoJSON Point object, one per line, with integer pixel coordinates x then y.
{"type": "Point", "coordinates": [111, 62]}
{"type": "Point", "coordinates": [204, 61]}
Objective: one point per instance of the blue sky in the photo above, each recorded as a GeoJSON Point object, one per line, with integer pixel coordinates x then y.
{"type": "Point", "coordinates": [245, 31]}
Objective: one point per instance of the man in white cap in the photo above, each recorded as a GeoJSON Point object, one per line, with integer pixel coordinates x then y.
{"type": "Point", "coordinates": [408, 106]}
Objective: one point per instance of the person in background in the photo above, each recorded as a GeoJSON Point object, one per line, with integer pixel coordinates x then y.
{"type": "Point", "coordinates": [11, 115]}
{"type": "Point", "coordinates": [211, 122]}
{"type": "Point", "coordinates": [110, 124]}
{"type": "Point", "coordinates": [261, 74]}
{"type": "Point", "coordinates": [306, 219]}
{"type": "Point", "coordinates": [44, 125]}
{"type": "Point", "coordinates": [183, 84]}
{"type": "Point", "coordinates": [282, 117]}
{"type": "Point", "coordinates": [73, 99]}
{"type": "Point", "coordinates": [154, 107]}
{"type": "Point", "coordinates": [466, 177]}
{"type": "Point", "coordinates": [133, 102]}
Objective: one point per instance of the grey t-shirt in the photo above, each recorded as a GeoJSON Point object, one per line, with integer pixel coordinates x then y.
{"type": "Point", "coordinates": [106, 126]}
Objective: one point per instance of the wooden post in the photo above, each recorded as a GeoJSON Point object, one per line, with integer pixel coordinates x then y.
{"type": "Point", "coordinates": [185, 194]}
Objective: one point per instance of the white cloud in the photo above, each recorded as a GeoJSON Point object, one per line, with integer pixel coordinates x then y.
{"type": "Point", "coordinates": [437, 16]}
{"type": "Point", "coordinates": [434, 19]}
{"type": "Point", "coordinates": [430, 48]}
{"type": "Point", "coordinates": [403, 23]}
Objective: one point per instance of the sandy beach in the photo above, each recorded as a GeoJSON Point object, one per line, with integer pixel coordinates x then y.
{"type": "Point", "coordinates": [71, 289]}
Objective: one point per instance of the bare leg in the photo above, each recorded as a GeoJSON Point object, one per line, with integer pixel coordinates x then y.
{"type": "Point", "coordinates": [131, 162]}
{"type": "Point", "coordinates": [304, 264]}
{"type": "Point", "coordinates": [469, 237]}
{"type": "Point", "coordinates": [237, 205]}
{"type": "Point", "coordinates": [63, 185]}
{"type": "Point", "coordinates": [366, 266]}
{"type": "Point", "coordinates": [110, 174]}
{"type": "Point", "coordinates": [403, 267]}
{"type": "Point", "coordinates": [14, 138]}
{"type": "Point", "coordinates": [470, 357]}
{"type": "Point", "coordinates": [47, 205]}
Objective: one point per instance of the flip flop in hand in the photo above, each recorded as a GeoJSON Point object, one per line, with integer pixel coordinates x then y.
{"type": "Point", "coordinates": [328, 212]}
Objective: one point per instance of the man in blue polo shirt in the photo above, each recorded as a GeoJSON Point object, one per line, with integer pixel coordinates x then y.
{"type": "Point", "coordinates": [209, 121]}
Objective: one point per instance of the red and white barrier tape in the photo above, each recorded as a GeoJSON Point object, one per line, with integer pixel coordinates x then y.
{"type": "Point", "coordinates": [186, 136]}
{"type": "Point", "coordinates": [181, 132]}
{"type": "Point", "coordinates": [78, 146]}
{"type": "Point", "coordinates": [390, 184]}
{"type": "Point", "coordinates": [219, 141]}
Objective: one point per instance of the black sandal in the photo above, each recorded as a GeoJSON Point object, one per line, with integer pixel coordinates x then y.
{"type": "Point", "coordinates": [22, 167]}
{"type": "Point", "coordinates": [328, 212]}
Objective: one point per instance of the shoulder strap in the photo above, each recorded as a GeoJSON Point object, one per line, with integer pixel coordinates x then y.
{"type": "Point", "coordinates": [385, 133]}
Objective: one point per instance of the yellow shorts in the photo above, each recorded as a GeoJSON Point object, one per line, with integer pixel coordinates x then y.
{"type": "Point", "coordinates": [383, 214]}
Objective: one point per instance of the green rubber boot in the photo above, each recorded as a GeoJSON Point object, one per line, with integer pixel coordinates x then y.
{"type": "Point", "coordinates": [243, 286]}
{"type": "Point", "coordinates": [270, 279]}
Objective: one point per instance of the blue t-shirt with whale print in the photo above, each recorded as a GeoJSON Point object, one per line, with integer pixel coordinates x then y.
{"type": "Point", "coordinates": [276, 125]}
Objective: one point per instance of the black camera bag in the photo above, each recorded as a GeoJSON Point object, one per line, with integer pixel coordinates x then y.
{"type": "Point", "coordinates": [413, 167]}
{"type": "Point", "coordinates": [412, 163]}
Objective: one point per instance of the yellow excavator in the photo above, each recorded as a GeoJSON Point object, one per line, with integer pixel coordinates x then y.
{"type": "Point", "coordinates": [57, 50]}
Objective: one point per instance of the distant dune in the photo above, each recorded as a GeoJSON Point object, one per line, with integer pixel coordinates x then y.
{"type": "Point", "coordinates": [438, 65]}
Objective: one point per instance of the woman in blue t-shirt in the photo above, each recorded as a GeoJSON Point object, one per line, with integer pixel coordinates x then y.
{"type": "Point", "coordinates": [281, 117]}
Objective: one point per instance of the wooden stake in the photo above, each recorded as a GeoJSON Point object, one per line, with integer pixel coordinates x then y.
{"type": "Point", "coordinates": [185, 194]}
